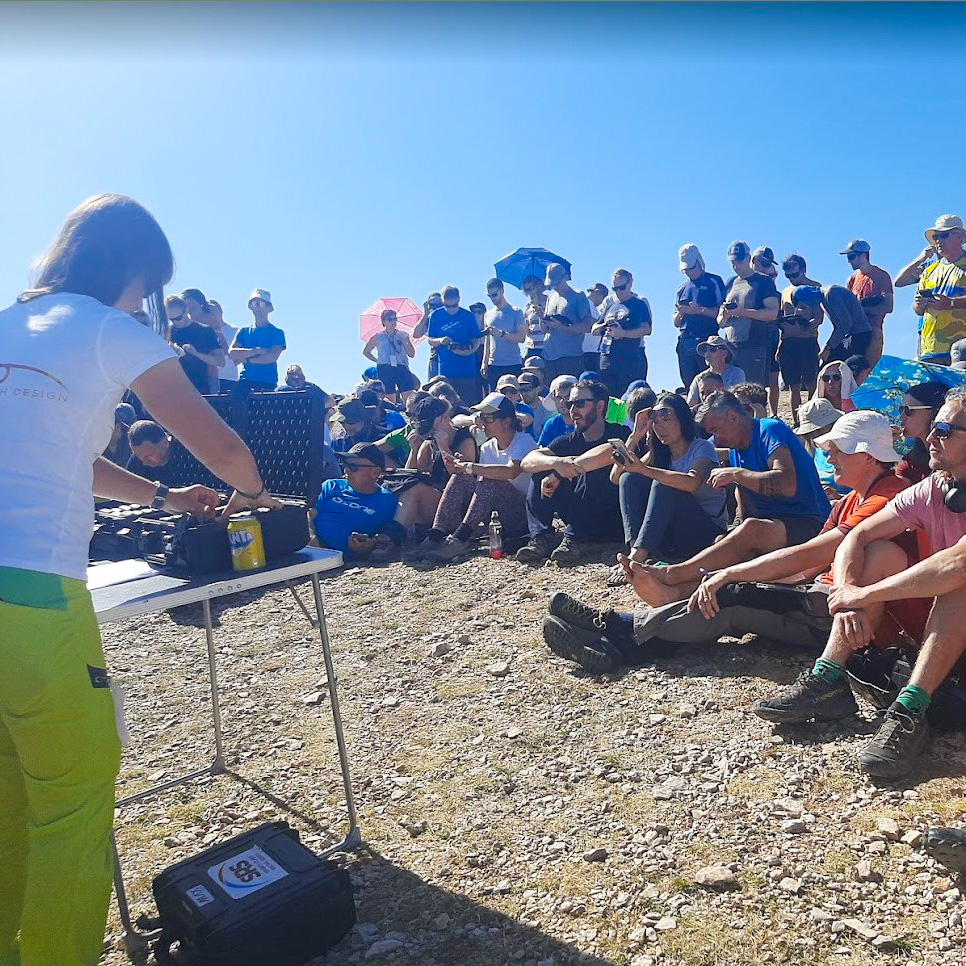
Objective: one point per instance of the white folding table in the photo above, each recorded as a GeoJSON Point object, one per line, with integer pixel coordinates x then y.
{"type": "Point", "coordinates": [129, 589]}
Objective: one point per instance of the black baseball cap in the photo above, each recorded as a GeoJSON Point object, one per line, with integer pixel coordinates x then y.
{"type": "Point", "coordinates": [365, 451]}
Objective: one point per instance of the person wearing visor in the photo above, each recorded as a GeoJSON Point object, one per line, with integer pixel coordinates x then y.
{"type": "Point", "coordinates": [941, 294]}
{"type": "Point", "coordinates": [256, 348]}
{"type": "Point", "coordinates": [59, 748]}
{"type": "Point", "coordinates": [696, 306]}
{"type": "Point", "coordinates": [935, 508]}
{"type": "Point", "coordinates": [851, 332]}
{"type": "Point", "coordinates": [493, 481]}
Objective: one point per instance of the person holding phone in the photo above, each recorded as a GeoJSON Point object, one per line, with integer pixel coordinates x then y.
{"type": "Point", "coordinates": [71, 348]}
{"type": "Point", "coordinates": [941, 294]}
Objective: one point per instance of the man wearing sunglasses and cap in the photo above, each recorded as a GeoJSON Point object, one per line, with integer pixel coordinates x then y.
{"type": "Point", "coordinates": [256, 348]}
{"type": "Point", "coordinates": [941, 295]}
{"type": "Point", "coordinates": [851, 332]}
{"type": "Point", "coordinates": [624, 321]}
{"type": "Point", "coordinates": [567, 318]}
{"type": "Point", "coordinates": [872, 286]}
{"type": "Point", "coordinates": [936, 507]}
{"type": "Point", "coordinates": [696, 307]}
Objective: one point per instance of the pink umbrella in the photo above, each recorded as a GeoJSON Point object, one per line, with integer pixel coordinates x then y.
{"type": "Point", "coordinates": [408, 313]}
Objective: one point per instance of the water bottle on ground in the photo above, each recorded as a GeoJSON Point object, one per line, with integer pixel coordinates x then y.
{"type": "Point", "coordinates": [496, 536]}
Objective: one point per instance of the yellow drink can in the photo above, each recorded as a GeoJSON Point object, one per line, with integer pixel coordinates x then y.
{"type": "Point", "coordinates": [245, 540]}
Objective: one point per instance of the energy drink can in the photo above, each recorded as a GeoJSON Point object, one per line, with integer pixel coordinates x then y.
{"type": "Point", "coordinates": [245, 540]}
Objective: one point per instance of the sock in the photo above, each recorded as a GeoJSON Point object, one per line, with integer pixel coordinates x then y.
{"type": "Point", "coordinates": [827, 670]}
{"type": "Point", "coordinates": [914, 699]}
{"type": "Point", "coordinates": [463, 532]}
{"type": "Point", "coordinates": [437, 536]}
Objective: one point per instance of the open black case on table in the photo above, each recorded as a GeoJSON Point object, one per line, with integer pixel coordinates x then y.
{"type": "Point", "coordinates": [284, 431]}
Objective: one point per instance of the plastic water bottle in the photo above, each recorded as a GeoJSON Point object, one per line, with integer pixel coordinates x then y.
{"type": "Point", "coordinates": [496, 536]}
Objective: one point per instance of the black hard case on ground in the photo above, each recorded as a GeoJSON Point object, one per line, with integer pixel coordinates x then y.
{"type": "Point", "coordinates": [282, 921]}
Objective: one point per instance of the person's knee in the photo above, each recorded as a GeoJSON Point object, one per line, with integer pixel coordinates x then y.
{"type": "Point", "coordinates": [883, 558]}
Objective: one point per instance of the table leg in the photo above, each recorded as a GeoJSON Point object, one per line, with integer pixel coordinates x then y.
{"type": "Point", "coordinates": [219, 763]}
{"type": "Point", "coordinates": [353, 839]}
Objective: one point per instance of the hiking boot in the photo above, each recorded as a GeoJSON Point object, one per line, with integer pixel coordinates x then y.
{"type": "Point", "coordinates": [448, 550]}
{"type": "Point", "coordinates": [607, 623]}
{"type": "Point", "coordinates": [537, 548]}
{"type": "Point", "coordinates": [809, 697]}
{"type": "Point", "coordinates": [948, 847]}
{"type": "Point", "coordinates": [897, 744]}
{"type": "Point", "coordinates": [591, 651]}
{"type": "Point", "coordinates": [567, 552]}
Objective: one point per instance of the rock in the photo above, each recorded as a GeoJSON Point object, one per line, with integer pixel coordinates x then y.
{"type": "Point", "coordinates": [595, 855]}
{"type": "Point", "coordinates": [877, 848]}
{"type": "Point", "coordinates": [865, 873]}
{"type": "Point", "coordinates": [415, 828]}
{"type": "Point", "coordinates": [861, 929]}
{"type": "Point", "coordinates": [666, 924]}
{"type": "Point", "coordinates": [820, 915]}
{"type": "Point", "coordinates": [686, 710]}
{"type": "Point", "coordinates": [465, 639]}
{"type": "Point", "coordinates": [717, 877]}
{"type": "Point", "coordinates": [885, 944]}
{"type": "Point", "coordinates": [441, 921]}
{"type": "Point", "coordinates": [440, 648]}
{"type": "Point", "coordinates": [367, 931]}
{"type": "Point", "coordinates": [383, 948]}
{"type": "Point", "coordinates": [889, 827]}
{"type": "Point", "coordinates": [391, 702]}
{"type": "Point", "coordinates": [790, 885]}
{"type": "Point", "coordinates": [793, 826]}
{"type": "Point", "coordinates": [313, 699]}
{"type": "Point", "coordinates": [499, 670]}
{"type": "Point", "coordinates": [912, 838]}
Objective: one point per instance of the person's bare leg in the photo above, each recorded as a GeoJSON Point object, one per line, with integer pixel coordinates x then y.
{"type": "Point", "coordinates": [649, 588]}
{"type": "Point", "coordinates": [774, 394]}
{"type": "Point", "coordinates": [747, 539]}
{"type": "Point", "coordinates": [417, 505]}
{"type": "Point", "coordinates": [796, 401]}
{"type": "Point", "coordinates": [874, 352]}
{"type": "Point", "coordinates": [943, 644]}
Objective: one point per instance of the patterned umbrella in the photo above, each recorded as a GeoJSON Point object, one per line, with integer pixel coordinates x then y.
{"type": "Point", "coordinates": [885, 385]}
{"type": "Point", "coordinates": [408, 313]}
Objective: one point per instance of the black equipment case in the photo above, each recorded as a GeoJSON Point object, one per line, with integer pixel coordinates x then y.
{"type": "Point", "coordinates": [260, 898]}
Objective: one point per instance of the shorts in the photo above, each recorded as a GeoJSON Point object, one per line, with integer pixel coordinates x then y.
{"type": "Point", "coordinates": [799, 530]}
{"type": "Point", "coordinates": [798, 361]}
{"type": "Point", "coordinates": [396, 378]}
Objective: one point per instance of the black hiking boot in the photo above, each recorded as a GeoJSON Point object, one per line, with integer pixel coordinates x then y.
{"type": "Point", "coordinates": [537, 548]}
{"type": "Point", "coordinates": [591, 651]}
{"type": "Point", "coordinates": [809, 697]}
{"type": "Point", "coordinates": [607, 623]}
{"type": "Point", "coordinates": [897, 744]}
{"type": "Point", "coordinates": [948, 847]}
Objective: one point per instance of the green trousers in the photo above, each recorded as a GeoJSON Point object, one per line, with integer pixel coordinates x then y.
{"type": "Point", "coordinates": [59, 758]}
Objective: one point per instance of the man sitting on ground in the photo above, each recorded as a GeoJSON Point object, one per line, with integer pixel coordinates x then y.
{"type": "Point", "coordinates": [937, 507]}
{"type": "Point", "coordinates": [355, 514]}
{"type": "Point", "coordinates": [579, 492]}
{"type": "Point", "coordinates": [780, 499]}
{"type": "Point", "coordinates": [718, 356]}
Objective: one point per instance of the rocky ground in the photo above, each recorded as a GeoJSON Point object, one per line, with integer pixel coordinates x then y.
{"type": "Point", "coordinates": [516, 809]}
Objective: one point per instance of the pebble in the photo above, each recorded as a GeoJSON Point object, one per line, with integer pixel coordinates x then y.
{"type": "Point", "coordinates": [790, 885]}
{"type": "Point", "coordinates": [440, 648]}
{"type": "Point", "coordinates": [595, 855]}
{"type": "Point", "coordinates": [383, 947]}
{"type": "Point", "coordinates": [793, 826]}
{"type": "Point", "coordinates": [717, 877]}
{"type": "Point", "coordinates": [861, 929]}
{"type": "Point", "coordinates": [499, 670]}
{"type": "Point", "coordinates": [666, 924]}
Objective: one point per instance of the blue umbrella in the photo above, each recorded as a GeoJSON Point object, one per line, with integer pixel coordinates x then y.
{"type": "Point", "coordinates": [524, 262]}
{"type": "Point", "coordinates": [884, 387]}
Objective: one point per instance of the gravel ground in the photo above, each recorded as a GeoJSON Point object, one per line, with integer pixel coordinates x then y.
{"type": "Point", "coordinates": [518, 810]}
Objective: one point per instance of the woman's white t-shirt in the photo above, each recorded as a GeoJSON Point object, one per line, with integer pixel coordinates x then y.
{"type": "Point", "coordinates": [65, 361]}
{"type": "Point", "coordinates": [520, 445]}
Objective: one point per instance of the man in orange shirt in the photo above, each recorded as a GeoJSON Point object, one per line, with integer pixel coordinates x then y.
{"type": "Point", "coordinates": [872, 286]}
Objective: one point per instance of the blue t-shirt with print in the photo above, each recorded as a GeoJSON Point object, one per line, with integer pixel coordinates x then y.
{"type": "Point", "coordinates": [341, 511]}
{"type": "Point", "coordinates": [809, 499]}
{"type": "Point", "coordinates": [461, 327]}
{"type": "Point", "coordinates": [260, 337]}
{"type": "Point", "coordinates": [708, 292]}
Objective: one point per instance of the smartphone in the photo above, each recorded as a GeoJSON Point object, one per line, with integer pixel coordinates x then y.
{"type": "Point", "coordinates": [929, 296]}
{"type": "Point", "coordinates": [621, 455]}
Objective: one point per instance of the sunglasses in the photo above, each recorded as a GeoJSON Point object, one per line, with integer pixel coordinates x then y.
{"type": "Point", "coordinates": [831, 377]}
{"type": "Point", "coordinates": [852, 255]}
{"type": "Point", "coordinates": [792, 273]}
{"type": "Point", "coordinates": [354, 467]}
{"type": "Point", "coordinates": [620, 288]}
{"type": "Point", "coordinates": [579, 403]}
{"type": "Point", "coordinates": [945, 430]}
{"type": "Point", "coordinates": [662, 415]}
{"type": "Point", "coordinates": [909, 410]}
{"type": "Point", "coordinates": [942, 235]}
{"type": "Point", "coordinates": [510, 391]}
{"type": "Point", "coordinates": [490, 417]}
{"type": "Point", "coordinates": [176, 318]}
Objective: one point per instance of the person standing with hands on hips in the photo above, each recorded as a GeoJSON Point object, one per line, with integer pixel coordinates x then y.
{"type": "Point", "coordinates": [69, 348]}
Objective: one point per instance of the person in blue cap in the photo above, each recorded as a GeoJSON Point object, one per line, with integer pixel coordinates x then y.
{"type": "Point", "coordinates": [851, 332]}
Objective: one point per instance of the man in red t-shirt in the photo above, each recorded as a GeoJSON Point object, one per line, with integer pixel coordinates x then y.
{"type": "Point", "coordinates": [872, 286]}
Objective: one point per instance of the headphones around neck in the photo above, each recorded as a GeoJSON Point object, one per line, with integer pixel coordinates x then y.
{"type": "Point", "coordinates": [955, 498]}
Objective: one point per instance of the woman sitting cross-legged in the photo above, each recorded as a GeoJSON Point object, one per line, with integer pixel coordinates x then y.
{"type": "Point", "coordinates": [476, 489]}
{"type": "Point", "coordinates": [669, 511]}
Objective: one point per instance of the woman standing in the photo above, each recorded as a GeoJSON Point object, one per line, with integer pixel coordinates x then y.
{"type": "Point", "coordinates": [391, 351]}
{"type": "Point", "coordinates": [70, 348]}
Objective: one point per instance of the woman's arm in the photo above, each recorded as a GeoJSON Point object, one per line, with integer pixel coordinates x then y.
{"type": "Point", "coordinates": [689, 482]}
{"type": "Point", "coordinates": [368, 347]}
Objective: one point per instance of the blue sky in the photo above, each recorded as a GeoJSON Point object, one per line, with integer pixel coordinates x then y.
{"type": "Point", "coordinates": [337, 153]}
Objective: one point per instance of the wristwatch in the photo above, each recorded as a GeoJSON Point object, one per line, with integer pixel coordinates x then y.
{"type": "Point", "coordinates": [160, 496]}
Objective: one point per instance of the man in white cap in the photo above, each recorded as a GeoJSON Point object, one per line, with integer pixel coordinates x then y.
{"type": "Point", "coordinates": [695, 310]}
{"type": "Point", "coordinates": [941, 295]}
{"type": "Point", "coordinates": [872, 286]}
{"type": "Point", "coordinates": [257, 347]}
{"type": "Point", "coordinates": [566, 320]}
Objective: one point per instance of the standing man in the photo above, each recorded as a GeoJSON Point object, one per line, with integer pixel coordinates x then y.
{"type": "Point", "coordinates": [479, 312]}
{"type": "Point", "coordinates": [455, 336]}
{"type": "Point", "coordinates": [433, 301]}
{"type": "Point", "coordinates": [624, 321]}
{"type": "Point", "coordinates": [257, 348]}
{"type": "Point", "coordinates": [851, 332]}
{"type": "Point", "coordinates": [695, 311]}
{"type": "Point", "coordinates": [566, 320]}
{"type": "Point", "coordinates": [533, 289]}
{"type": "Point", "coordinates": [595, 295]}
{"type": "Point", "coordinates": [504, 329]}
{"type": "Point", "coordinates": [747, 314]}
{"type": "Point", "coordinates": [200, 351]}
{"type": "Point", "coordinates": [872, 286]}
{"type": "Point", "coordinates": [798, 351]}
{"type": "Point", "coordinates": [941, 295]}
{"type": "Point", "coordinates": [763, 261]}
{"type": "Point", "coordinates": [226, 378]}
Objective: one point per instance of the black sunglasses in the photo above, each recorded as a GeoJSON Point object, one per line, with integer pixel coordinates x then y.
{"type": "Point", "coordinates": [852, 255]}
{"type": "Point", "coordinates": [832, 377]}
{"type": "Point", "coordinates": [907, 411]}
{"type": "Point", "coordinates": [945, 430]}
{"type": "Point", "coordinates": [352, 467]}
{"type": "Point", "coordinates": [176, 318]}
{"type": "Point", "coordinates": [620, 288]}
{"type": "Point", "coordinates": [579, 403]}
{"type": "Point", "coordinates": [941, 235]}
{"type": "Point", "coordinates": [791, 273]}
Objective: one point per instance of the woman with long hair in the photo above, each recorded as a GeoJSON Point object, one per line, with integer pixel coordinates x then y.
{"type": "Point", "coordinates": [669, 511]}
{"type": "Point", "coordinates": [69, 348]}
{"type": "Point", "coordinates": [920, 403]}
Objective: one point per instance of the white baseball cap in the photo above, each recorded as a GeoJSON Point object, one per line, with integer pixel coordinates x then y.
{"type": "Point", "coordinates": [260, 293]}
{"type": "Point", "coordinates": [689, 257]}
{"type": "Point", "coordinates": [863, 431]}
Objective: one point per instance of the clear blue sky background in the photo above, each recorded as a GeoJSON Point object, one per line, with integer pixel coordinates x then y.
{"type": "Point", "coordinates": [337, 153]}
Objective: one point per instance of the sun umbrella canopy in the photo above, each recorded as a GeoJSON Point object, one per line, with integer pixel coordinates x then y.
{"type": "Point", "coordinates": [524, 262]}
{"type": "Point", "coordinates": [884, 387]}
{"type": "Point", "coordinates": [408, 313]}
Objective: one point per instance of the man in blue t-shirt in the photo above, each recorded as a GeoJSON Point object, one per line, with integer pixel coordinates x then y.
{"type": "Point", "coordinates": [257, 347]}
{"type": "Point", "coordinates": [695, 311]}
{"type": "Point", "coordinates": [455, 336]}
{"type": "Point", "coordinates": [781, 502]}
{"type": "Point", "coordinates": [355, 515]}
